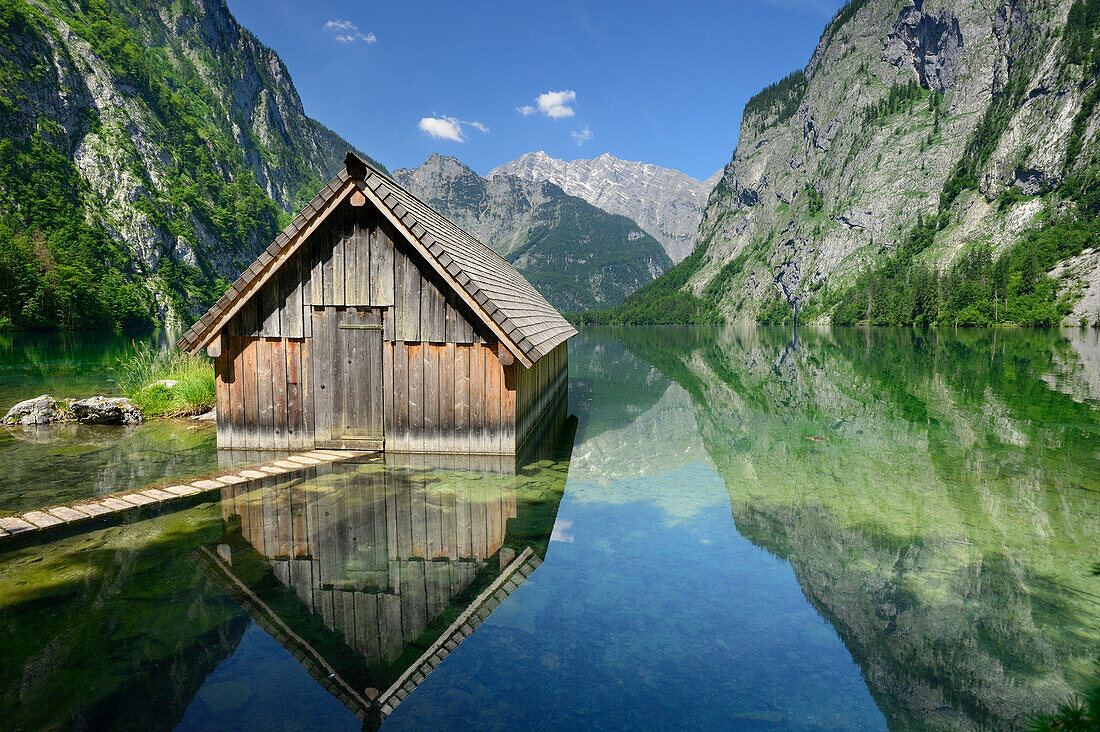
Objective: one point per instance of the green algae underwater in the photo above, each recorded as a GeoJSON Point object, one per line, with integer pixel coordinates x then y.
{"type": "Point", "coordinates": [754, 528]}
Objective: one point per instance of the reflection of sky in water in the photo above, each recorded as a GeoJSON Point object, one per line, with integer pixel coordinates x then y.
{"type": "Point", "coordinates": [262, 687]}
{"type": "Point", "coordinates": [639, 621]}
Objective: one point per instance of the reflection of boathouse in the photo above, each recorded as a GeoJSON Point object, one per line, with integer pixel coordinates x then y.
{"type": "Point", "coordinates": [373, 322]}
{"type": "Point", "coordinates": [371, 573]}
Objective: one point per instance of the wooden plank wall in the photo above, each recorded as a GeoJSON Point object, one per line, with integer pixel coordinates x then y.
{"type": "Point", "coordinates": [356, 259]}
{"type": "Point", "coordinates": [537, 389]}
{"type": "Point", "coordinates": [449, 398]}
{"type": "Point", "coordinates": [262, 388]}
{"type": "Point", "coordinates": [378, 558]}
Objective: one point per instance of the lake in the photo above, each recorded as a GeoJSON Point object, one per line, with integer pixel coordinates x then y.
{"type": "Point", "coordinates": [722, 528]}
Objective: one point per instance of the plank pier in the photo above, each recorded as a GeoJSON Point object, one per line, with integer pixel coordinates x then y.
{"type": "Point", "coordinates": [103, 507]}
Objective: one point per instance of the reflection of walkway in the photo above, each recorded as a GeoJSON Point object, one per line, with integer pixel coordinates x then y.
{"type": "Point", "coordinates": [370, 574]}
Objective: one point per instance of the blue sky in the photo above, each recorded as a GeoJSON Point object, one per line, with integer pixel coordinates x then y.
{"type": "Point", "coordinates": [664, 83]}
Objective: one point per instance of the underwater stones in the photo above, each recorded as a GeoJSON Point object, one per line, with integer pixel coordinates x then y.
{"type": "Point", "coordinates": [106, 410]}
{"type": "Point", "coordinates": [40, 410]}
{"type": "Point", "coordinates": [211, 416]}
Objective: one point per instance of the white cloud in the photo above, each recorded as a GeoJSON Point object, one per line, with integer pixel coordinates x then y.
{"type": "Point", "coordinates": [581, 136]}
{"type": "Point", "coordinates": [448, 128]}
{"type": "Point", "coordinates": [526, 110]}
{"type": "Point", "coordinates": [344, 31]}
{"type": "Point", "coordinates": [556, 104]}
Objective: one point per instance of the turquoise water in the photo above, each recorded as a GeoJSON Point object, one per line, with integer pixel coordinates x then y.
{"type": "Point", "coordinates": [737, 529]}
{"type": "Point", "coordinates": [52, 464]}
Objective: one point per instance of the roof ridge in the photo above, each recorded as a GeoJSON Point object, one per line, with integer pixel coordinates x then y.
{"type": "Point", "coordinates": [497, 289]}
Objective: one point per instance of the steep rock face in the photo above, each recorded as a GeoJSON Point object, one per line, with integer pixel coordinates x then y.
{"type": "Point", "coordinates": [579, 256]}
{"type": "Point", "coordinates": [186, 133]}
{"type": "Point", "coordinates": [666, 203]}
{"type": "Point", "coordinates": [836, 164]}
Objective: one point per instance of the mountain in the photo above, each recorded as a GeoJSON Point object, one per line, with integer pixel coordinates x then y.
{"type": "Point", "coordinates": [929, 164]}
{"type": "Point", "coordinates": [579, 256]}
{"type": "Point", "coordinates": [666, 203]}
{"type": "Point", "coordinates": [148, 152]}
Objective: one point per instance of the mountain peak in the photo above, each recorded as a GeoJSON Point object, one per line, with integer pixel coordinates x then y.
{"type": "Point", "coordinates": [579, 256]}
{"type": "Point", "coordinates": [666, 203]}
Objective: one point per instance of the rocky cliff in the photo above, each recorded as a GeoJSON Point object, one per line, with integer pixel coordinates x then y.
{"type": "Point", "coordinates": [169, 135]}
{"type": "Point", "coordinates": [579, 256]}
{"type": "Point", "coordinates": [666, 203]}
{"type": "Point", "coordinates": [918, 132]}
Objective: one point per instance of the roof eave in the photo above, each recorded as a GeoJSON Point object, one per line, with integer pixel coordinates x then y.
{"type": "Point", "coordinates": [200, 335]}
{"type": "Point", "coordinates": [433, 261]}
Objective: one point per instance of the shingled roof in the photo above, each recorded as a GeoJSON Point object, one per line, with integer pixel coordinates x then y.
{"type": "Point", "coordinates": [525, 322]}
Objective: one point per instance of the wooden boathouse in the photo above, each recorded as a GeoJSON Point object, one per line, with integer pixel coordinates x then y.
{"type": "Point", "coordinates": [373, 322]}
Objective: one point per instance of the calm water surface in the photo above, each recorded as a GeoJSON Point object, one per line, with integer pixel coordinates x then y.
{"type": "Point", "coordinates": [738, 529]}
{"type": "Point", "coordinates": [53, 464]}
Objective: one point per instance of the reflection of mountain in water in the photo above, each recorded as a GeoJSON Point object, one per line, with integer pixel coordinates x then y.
{"type": "Point", "coordinates": [370, 574]}
{"type": "Point", "coordinates": [111, 629]}
{"type": "Point", "coordinates": [944, 515]}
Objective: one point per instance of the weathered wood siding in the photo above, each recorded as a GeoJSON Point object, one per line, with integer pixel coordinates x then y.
{"type": "Point", "coordinates": [356, 259]}
{"type": "Point", "coordinates": [443, 386]}
{"type": "Point", "coordinates": [347, 377]}
{"type": "Point", "coordinates": [262, 389]}
{"type": "Point", "coordinates": [449, 398]}
{"type": "Point", "coordinates": [537, 389]}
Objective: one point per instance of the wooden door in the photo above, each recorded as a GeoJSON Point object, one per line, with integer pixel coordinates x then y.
{"type": "Point", "coordinates": [347, 372]}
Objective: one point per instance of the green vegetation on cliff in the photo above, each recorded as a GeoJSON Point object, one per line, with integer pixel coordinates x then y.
{"type": "Point", "coordinates": [663, 301]}
{"type": "Point", "coordinates": [125, 213]}
{"type": "Point", "coordinates": [900, 178]}
{"type": "Point", "coordinates": [777, 102]}
{"type": "Point", "coordinates": [57, 269]}
{"type": "Point", "coordinates": [977, 289]}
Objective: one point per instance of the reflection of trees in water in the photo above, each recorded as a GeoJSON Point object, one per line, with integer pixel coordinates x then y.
{"type": "Point", "coordinates": [88, 460]}
{"type": "Point", "coordinates": [112, 629]}
{"type": "Point", "coordinates": [944, 526]}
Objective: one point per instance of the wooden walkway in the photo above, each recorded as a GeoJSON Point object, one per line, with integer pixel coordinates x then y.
{"type": "Point", "coordinates": [116, 504]}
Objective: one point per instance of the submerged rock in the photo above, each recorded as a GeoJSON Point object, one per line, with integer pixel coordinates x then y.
{"type": "Point", "coordinates": [211, 416]}
{"type": "Point", "coordinates": [40, 410]}
{"type": "Point", "coordinates": [106, 410]}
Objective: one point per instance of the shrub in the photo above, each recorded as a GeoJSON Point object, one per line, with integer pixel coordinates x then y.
{"type": "Point", "coordinates": [193, 393]}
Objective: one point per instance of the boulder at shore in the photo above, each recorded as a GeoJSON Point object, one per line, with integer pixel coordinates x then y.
{"type": "Point", "coordinates": [93, 410]}
{"type": "Point", "coordinates": [106, 410]}
{"type": "Point", "coordinates": [40, 410]}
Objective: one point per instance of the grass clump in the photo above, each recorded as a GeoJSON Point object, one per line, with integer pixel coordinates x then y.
{"type": "Point", "coordinates": [146, 377]}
